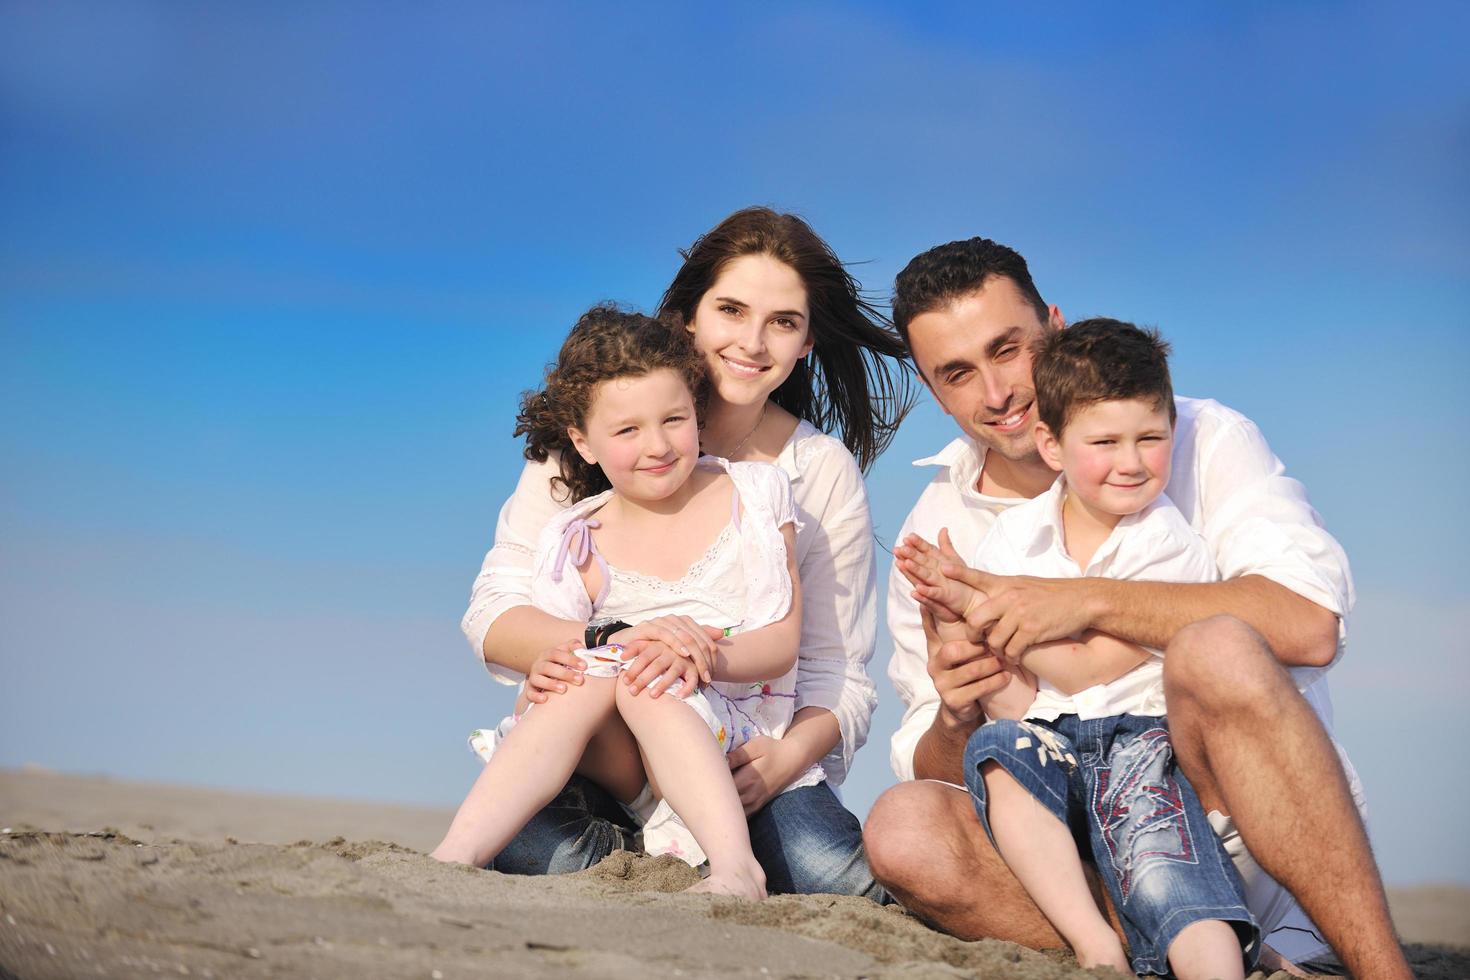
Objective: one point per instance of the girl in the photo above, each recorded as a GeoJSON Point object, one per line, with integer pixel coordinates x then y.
{"type": "Point", "coordinates": [794, 353]}
{"type": "Point", "coordinates": [693, 540]}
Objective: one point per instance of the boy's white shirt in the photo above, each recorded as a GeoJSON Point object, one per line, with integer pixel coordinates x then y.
{"type": "Point", "coordinates": [1156, 544]}
{"type": "Point", "coordinates": [834, 559]}
{"type": "Point", "coordinates": [1228, 486]}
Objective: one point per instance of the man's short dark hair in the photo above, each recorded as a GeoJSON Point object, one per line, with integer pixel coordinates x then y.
{"type": "Point", "coordinates": [948, 272]}
{"type": "Point", "coordinates": [1099, 360]}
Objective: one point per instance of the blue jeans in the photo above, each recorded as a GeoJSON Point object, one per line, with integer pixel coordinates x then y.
{"type": "Point", "coordinates": [806, 840]}
{"type": "Point", "coordinates": [1113, 781]}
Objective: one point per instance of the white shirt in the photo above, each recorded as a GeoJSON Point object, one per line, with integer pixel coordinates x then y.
{"type": "Point", "coordinates": [834, 560]}
{"type": "Point", "coordinates": [1226, 483]}
{"type": "Point", "coordinates": [1154, 545]}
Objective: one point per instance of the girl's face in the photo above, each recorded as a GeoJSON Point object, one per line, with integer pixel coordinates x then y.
{"type": "Point", "coordinates": [752, 327]}
{"type": "Point", "coordinates": [643, 432]}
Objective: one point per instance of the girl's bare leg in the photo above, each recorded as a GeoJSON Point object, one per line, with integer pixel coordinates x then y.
{"type": "Point", "coordinates": [1040, 851]}
{"type": "Point", "coordinates": [695, 778]}
{"type": "Point", "coordinates": [527, 771]}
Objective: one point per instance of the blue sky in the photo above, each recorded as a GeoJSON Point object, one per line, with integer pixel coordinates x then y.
{"type": "Point", "coordinates": [272, 276]}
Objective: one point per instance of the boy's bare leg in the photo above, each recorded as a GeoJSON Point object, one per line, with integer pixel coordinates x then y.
{"type": "Point", "coordinates": [527, 771]}
{"type": "Point", "coordinates": [1040, 851]}
{"type": "Point", "coordinates": [1207, 950]}
{"type": "Point", "coordinates": [927, 848]}
{"type": "Point", "coordinates": [1253, 748]}
{"type": "Point", "coordinates": [695, 779]}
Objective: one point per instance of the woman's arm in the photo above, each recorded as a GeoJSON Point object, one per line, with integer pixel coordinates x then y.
{"type": "Point", "coordinates": [839, 607]}
{"type": "Point", "coordinates": [502, 626]}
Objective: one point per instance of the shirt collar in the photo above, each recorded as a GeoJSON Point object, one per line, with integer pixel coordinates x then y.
{"type": "Point", "coordinates": [963, 460]}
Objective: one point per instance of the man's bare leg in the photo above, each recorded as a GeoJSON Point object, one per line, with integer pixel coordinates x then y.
{"type": "Point", "coordinates": [1253, 748]}
{"type": "Point", "coordinates": [926, 846]}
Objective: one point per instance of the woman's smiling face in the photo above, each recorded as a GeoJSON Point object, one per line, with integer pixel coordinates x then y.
{"type": "Point", "coordinates": [752, 327]}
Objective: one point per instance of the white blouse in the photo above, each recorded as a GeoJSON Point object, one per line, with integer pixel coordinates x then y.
{"type": "Point", "coordinates": [834, 559]}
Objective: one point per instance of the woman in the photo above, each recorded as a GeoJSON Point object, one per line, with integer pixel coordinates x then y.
{"type": "Point", "coordinates": [792, 350]}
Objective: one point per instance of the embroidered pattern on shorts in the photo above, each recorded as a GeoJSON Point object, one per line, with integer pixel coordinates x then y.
{"type": "Point", "coordinates": [1139, 811]}
{"type": "Point", "coordinates": [1051, 745]}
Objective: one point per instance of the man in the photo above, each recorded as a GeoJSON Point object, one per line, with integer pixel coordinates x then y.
{"type": "Point", "coordinates": [1244, 657]}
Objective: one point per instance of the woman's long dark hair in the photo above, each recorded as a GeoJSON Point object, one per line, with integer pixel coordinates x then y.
{"type": "Point", "coordinates": [858, 381]}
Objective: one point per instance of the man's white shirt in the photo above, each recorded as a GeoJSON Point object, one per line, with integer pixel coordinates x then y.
{"type": "Point", "coordinates": [1227, 484]}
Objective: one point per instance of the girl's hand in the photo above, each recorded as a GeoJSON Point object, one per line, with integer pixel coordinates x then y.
{"type": "Point", "coordinates": [679, 634]}
{"type": "Point", "coordinates": [553, 671]}
{"type": "Point", "coordinates": [680, 673]}
{"type": "Point", "coordinates": [761, 768]}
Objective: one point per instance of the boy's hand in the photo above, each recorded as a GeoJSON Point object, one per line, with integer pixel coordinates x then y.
{"type": "Point", "coordinates": [947, 599]}
{"type": "Point", "coordinates": [553, 671]}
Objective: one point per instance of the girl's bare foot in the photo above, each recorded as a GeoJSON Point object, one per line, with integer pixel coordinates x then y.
{"type": "Point", "coordinates": [747, 883]}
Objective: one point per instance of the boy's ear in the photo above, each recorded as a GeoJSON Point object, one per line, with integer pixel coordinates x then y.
{"type": "Point", "coordinates": [581, 445]}
{"type": "Point", "coordinates": [1048, 446]}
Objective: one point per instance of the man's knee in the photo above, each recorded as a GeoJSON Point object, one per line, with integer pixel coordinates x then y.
{"type": "Point", "coordinates": [912, 828]}
{"type": "Point", "coordinates": [1222, 664]}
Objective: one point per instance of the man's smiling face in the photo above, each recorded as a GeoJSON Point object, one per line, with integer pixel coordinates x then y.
{"type": "Point", "coordinates": [975, 355]}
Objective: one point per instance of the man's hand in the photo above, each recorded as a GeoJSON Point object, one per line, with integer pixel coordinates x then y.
{"type": "Point", "coordinates": [761, 768]}
{"type": "Point", "coordinates": [1022, 610]}
{"type": "Point", "coordinates": [963, 672]}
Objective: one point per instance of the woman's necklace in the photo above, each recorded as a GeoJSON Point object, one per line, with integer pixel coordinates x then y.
{"type": "Point", "coordinates": [741, 444]}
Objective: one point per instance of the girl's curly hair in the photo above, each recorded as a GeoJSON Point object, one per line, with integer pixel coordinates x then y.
{"type": "Point", "coordinates": [606, 343]}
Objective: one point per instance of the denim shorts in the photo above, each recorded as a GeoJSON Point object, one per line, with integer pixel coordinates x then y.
{"type": "Point", "coordinates": [1113, 781]}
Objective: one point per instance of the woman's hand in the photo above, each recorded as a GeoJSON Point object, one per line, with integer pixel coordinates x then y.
{"type": "Point", "coordinates": [680, 673]}
{"type": "Point", "coordinates": [678, 634]}
{"type": "Point", "coordinates": [763, 767]}
{"type": "Point", "coordinates": [553, 671]}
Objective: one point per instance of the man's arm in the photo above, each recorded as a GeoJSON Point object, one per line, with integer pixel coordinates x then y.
{"type": "Point", "coordinates": [1283, 574]}
{"type": "Point", "coordinates": [1023, 611]}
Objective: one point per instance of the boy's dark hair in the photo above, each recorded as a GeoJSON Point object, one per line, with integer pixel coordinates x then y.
{"type": "Point", "coordinates": [947, 272]}
{"type": "Point", "coordinates": [1099, 360]}
{"type": "Point", "coordinates": [606, 343]}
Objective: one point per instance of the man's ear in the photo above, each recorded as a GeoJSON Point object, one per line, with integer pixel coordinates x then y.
{"type": "Point", "coordinates": [1048, 445]}
{"type": "Point", "coordinates": [580, 444]}
{"type": "Point", "coordinates": [1054, 318]}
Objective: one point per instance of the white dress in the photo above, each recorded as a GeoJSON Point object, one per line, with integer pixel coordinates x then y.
{"type": "Point", "coordinates": [740, 583]}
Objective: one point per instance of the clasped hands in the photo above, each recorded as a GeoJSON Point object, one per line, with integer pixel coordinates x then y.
{"type": "Point", "coordinates": [978, 625]}
{"type": "Point", "coordinates": [666, 653]}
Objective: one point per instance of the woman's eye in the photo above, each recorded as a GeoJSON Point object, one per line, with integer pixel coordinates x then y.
{"type": "Point", "coordinates": [785, 322]}
{"type": "Point", "coordinates": [729, 310]}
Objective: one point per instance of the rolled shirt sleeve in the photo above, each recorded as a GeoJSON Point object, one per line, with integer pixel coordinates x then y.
{"type": "Point", "coordinates": [1258, 521]}
{"type": "Point", "coordinates": [908, 671]}
{"type": "Point", "coordinates": [504, 581]}
{"type": "Point", "coordinates": [838, 594]}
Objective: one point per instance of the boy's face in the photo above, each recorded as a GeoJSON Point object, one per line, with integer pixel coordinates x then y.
{"type": "Point", "coordinates": [1117, 455]}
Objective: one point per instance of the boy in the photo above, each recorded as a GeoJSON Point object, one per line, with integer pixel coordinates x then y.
{"type": "Point", "coordinates": [1078, 737]}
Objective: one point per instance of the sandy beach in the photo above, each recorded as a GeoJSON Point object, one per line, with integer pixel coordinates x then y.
{"type": "Point", "coordinates": [116, 879]}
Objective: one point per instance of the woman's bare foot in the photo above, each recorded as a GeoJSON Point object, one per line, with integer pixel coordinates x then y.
{"type": "Point", "coordinates": [742, 882]}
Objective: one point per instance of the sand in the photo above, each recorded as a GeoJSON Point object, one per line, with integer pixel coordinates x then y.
{"type": "Point", "coordinates": [113, 879]}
